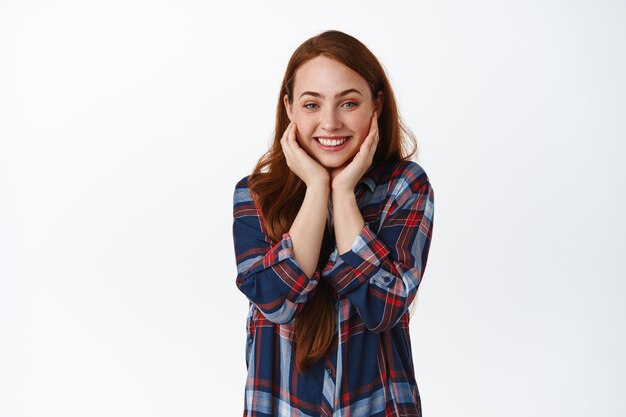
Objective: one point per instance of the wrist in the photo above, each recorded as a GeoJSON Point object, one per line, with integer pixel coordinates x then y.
{"type": "Point", "coordinates": [342, 193]}
{"type": "Point", "coordinates": [319, 187]}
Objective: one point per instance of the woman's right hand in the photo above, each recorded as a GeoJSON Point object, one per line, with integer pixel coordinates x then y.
{"type": "Point", "coordinates": [300, 162]}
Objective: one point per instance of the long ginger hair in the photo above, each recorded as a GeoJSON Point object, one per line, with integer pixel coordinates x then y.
{"type": "Point", "coordinates": [279, 193]}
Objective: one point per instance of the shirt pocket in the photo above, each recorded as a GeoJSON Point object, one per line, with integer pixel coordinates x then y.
{"type": "Point", "coordinates": [382, 278]}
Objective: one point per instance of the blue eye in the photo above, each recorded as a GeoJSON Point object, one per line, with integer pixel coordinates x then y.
{"type": "Point", "coordinates": [310, 104]}
{"type": "Point", "coordinates": [351, 102]}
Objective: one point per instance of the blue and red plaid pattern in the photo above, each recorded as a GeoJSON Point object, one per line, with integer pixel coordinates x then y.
{"type": "Point", "coordinates": [368, 370]}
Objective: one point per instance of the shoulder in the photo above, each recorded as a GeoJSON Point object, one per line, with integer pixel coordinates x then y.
{"type": "Point", "coordinates": [405, 176]}
{"type": "Point", "coordinates": [409, 181]}
{"type": "Point", "coordinates": [242, 183]}
{"type": "Point", "coordinates": [409, 170]}
{"type": "Point", "coordinates": [242, 192]}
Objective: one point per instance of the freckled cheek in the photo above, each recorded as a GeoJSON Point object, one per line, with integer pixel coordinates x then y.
{"type": "Point", "coordinates": [304, 127]}
{"type": "Point", "coordinates": [305, 132]}
{"type": "Point", "coordinates": [361, 124]}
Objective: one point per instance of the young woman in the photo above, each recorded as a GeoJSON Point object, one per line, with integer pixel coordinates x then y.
{"type": "Point", "coordinates": [331, 233]}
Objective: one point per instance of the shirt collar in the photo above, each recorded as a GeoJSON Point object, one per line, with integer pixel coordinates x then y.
{"type": "Point", "coordinates": [368, 178]}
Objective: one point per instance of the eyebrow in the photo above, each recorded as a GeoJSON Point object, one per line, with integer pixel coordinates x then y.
{"type": "Point", "coordinates": [343, 93]}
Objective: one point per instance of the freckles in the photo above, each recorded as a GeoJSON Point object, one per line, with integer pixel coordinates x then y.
{"type": "Point", "coordinates": [360, 118]}
{"type": "Point", "coordinates": [362, 124]}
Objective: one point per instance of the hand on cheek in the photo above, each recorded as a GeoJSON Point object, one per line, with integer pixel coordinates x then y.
{"type": "Point", "coordinates": [300, 162]}
{"type": "Point", "coordinates": [346, 177]}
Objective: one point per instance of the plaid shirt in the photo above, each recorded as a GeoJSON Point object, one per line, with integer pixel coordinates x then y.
{"type": "Point", "coordinates": [368, 370]}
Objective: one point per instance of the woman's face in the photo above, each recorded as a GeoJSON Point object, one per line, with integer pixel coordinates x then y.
{"type": "Point", "coordinates": [331, 102]}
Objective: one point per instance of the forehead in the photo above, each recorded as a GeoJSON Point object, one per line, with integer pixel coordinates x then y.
{"type": "Point", "coordinates": [328, 77]}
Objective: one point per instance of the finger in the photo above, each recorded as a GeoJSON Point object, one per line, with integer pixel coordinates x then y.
{"type": "Point", "coordinates": [296, 149]}
{"type": "Point", "coordinates": [374, 121]}
{"type": "Point", "coordinates": [374, 140]}
{"type": "Point", "coordinates": [373, 130]}
{"type": "Point", "coordinates": [374, 127]}
{"type": "Point", "coordinates": [364, 149]}
{"type": "Point", "coordinates": [286, 132]}
{"type": "Point", "coordinates": [372, 145]}
{"type": "Point", "coordinates": [292, 134]}
{"type": "Point", "coordinates": [283, 137]}
{"type": "Point", "coordinates": [284, 142]}
{"type": "Point", "coordinates": [370, 140]}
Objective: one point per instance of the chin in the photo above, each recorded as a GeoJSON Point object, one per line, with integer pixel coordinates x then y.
{"type": "Point", "coordinates": [334, 163]}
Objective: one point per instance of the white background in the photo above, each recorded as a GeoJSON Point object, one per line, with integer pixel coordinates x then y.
{"type": "Point", "coordinates": [124, 126]}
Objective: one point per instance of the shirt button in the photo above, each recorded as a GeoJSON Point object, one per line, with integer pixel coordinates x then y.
{"type": "Point", "coordinates": [387, 278]}
{"type": "Point", "coordinates": [328, 371]}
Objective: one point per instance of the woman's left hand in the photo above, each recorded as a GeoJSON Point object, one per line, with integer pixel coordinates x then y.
{"type": "Point", "coordinates": [347, 176]}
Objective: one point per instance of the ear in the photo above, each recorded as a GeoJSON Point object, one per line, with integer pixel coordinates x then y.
{"type": "Point", "coordinates": [378, 104]}
{"type": "Point", "coordinates": [287, 106]}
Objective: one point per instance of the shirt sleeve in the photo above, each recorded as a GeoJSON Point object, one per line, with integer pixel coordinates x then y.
{"type": "Point", "coordinates": [381, 272]}
{"type": "Point", "coordinates": [267, 272]}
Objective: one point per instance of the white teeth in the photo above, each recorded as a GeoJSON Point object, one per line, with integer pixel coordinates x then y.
{"type": "Point", "coordinates": [332, 142]}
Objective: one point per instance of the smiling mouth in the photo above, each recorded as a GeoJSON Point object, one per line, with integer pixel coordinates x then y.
{"type": "Point", "coordinates": [334, 141]}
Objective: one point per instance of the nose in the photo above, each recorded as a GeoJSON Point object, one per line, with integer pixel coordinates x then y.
{"type": "Point", "coordinates": [330, 119]}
